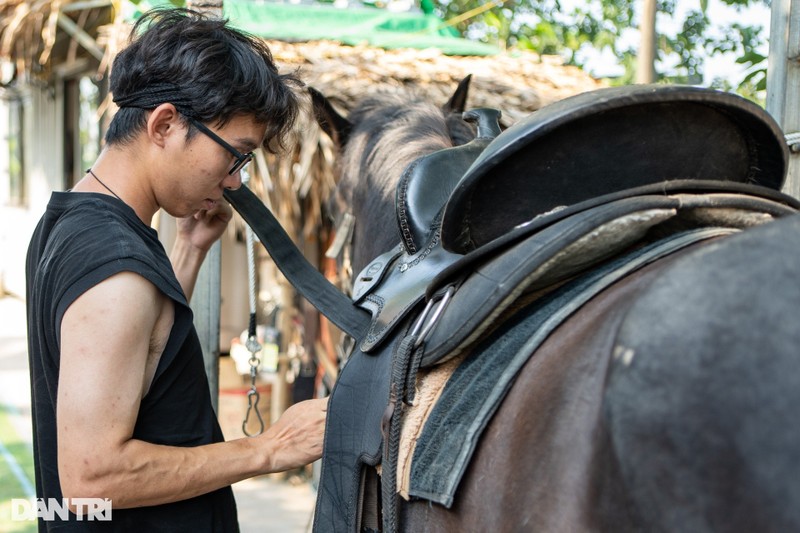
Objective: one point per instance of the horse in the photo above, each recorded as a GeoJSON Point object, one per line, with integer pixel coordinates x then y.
{"type": "Point", "coordinates": [665, 400]}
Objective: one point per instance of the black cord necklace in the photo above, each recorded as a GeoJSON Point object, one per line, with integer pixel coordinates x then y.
{"type": "Point", "coordinates": [89, 170]}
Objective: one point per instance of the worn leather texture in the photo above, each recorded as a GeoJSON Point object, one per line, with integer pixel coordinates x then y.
{"type": "Point", "coordinates": [498, 282]}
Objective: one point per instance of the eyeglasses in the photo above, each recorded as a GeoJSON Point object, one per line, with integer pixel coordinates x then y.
{"type": "Point", "coordinates": [241, 159]}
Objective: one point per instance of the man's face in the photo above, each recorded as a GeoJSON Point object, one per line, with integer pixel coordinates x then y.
{"type": "Point", "coordinates": [202, 170]}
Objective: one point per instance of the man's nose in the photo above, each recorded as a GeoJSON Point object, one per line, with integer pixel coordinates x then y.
{"type": "Point", "coordinates": [233, 181]}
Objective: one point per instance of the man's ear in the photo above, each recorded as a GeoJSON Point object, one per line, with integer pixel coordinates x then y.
{"type": "Point", "coordinates": [163, 122]}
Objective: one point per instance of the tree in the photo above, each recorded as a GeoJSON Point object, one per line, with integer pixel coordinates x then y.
{"type": "Point", "coordinates": [571, 28]}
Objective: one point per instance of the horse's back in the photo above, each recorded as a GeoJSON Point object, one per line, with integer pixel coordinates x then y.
{"type": "Point", "coordinates": [704, 389]}
{"type": "Point", "coordinates": [546, 449]}
{"type": "Point", "coordinates": [663, 404]}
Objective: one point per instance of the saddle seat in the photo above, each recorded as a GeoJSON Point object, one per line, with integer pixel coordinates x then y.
{"type": "Point", "coordinates": [609, 140]}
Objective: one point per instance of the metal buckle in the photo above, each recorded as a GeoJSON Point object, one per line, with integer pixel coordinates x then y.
{"type": "Point", "coordinates": [423, 328]}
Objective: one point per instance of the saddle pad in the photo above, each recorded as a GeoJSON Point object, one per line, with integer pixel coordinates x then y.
{"type": "Point", "coordinates": [428, 390]}
{"type": "Point", "coordinates": [610, 140]}
{"type": "Point", "coordinates": [476, 388]}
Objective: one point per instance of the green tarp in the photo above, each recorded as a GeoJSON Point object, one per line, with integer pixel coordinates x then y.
{"type": "Point", "coordinates": [353, 26]}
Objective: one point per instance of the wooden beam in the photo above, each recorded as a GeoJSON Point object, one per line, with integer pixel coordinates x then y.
{"type": "Point", "coordinates": [783, 79]}
{"type": "Point", "coordinates": [86, 4]}
{"type": "Point", "coordinates": [646, 58]}
{"type": "Point", "coordinates": [83, 38]}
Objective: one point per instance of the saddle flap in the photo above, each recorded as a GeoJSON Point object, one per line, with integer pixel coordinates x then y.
{"type": "Point", "coordinates": [402, 286]}
{"type": "Point", "coordinates": [609, 140]}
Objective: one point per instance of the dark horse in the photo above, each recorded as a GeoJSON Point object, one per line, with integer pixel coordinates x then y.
{"type": "Point", "coordinates": [667, 401]}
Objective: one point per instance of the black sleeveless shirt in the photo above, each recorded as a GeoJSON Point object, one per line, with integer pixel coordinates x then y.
{"type": "Point", "coordinates": [83, 239]}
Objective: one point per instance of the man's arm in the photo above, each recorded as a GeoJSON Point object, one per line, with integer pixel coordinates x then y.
{"type": "Point", "coordinates": [105, 341]}
{"type": "Point", "coordinates": [194, 238]}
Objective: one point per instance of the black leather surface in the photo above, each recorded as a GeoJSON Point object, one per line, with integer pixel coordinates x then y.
{"type": "Point", "coordinates": [429, 181]}
{"type": "Point", "coordinates": [494, 285]}
{"type": "Point", "coordinates": [609, 140]}
{"type": "Point", "coordinates": [352, 436]}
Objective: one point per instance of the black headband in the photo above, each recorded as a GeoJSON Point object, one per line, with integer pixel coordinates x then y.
{"type": "Point", "coordinates": [155, 95]}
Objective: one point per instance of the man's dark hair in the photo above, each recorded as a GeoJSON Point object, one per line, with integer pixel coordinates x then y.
{"type": "Point", "coordinates": [208, 70]}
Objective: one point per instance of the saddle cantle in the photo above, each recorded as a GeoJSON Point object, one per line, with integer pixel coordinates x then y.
{"type": "Point", "coordinates": [609, 140]}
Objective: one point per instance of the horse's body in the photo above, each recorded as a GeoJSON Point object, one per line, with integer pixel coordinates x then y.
{"type": "Point", "coordinates": [695, 432]}
{"type": "Point", "coordinates": [666, 403]}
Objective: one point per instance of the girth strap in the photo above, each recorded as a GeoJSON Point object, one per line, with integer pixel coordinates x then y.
{"type": "Point", "coordinates": [306, 279]}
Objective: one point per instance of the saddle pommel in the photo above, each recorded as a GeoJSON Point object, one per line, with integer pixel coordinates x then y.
{"type": "Point", "coordinates": [427, 183]}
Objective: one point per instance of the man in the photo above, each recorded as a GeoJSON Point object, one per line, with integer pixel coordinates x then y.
{"type": "Point", "coordinates": [121, 407]}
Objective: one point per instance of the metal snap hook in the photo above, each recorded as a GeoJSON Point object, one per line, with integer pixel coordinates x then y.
{"type": "Point", "coordinates": [252, 405]}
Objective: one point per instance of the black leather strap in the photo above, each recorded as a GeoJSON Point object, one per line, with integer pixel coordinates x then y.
{"type": "Point", "coordinates": [306, 279]}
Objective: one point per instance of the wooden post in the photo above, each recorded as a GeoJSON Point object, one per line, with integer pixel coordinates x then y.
{"type": "Point", "coordinates": [646, 59]}
{"type": "Point", "coordinates": [207, 295]}
{"type": "Point", "coordinates": [783, 79]}
{"type": "Point", "coordinates": [205, 306]}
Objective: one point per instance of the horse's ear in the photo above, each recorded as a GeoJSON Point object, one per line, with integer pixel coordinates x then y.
{"type": "Point", "coordinates": [335, 125]}
{"type": "Point", "coordinates": [458, 102]}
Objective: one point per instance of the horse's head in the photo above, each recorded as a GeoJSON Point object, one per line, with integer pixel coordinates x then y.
{"type": "Point", "coordinates": [376, 142]}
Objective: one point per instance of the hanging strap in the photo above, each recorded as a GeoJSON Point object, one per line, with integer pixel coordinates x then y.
{"type": "Point", "coordinates": [306, 279]}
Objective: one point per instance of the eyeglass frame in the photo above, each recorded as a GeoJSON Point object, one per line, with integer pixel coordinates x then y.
{"type": "Point", "coordinates": [241, 159]}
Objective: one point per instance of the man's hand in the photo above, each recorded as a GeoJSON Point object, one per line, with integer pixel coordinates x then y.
{"type": "Point", "coordinates": [296, 438]}
{"type": "Point", "coordinates": [202, 229]}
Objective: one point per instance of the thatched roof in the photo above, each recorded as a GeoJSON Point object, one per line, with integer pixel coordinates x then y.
{"type": "Point", "coordinates": [517, 83]}
{"type": "Point", "coordinates": [40, 35]}
{"type": "Point", "coordinates": [37, 35]}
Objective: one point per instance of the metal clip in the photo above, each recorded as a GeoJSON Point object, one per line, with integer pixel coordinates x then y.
{"type": "Point", "coordinates": [252, 405]}
{"type": "Point", "coordinates": [423, 328]}
{"type": "Point", "coordinates": [252, 395]}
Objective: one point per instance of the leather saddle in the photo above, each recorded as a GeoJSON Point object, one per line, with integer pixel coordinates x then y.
{"type": "Point", "coordinates": [459, 206]}
{"type": "Point", "coordinates": [609, 140]}
{"type": "Point", "coordinates": [484, 224]}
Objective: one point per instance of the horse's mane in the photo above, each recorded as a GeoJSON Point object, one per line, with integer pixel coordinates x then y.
{"type": "Point", "coordinates": [389, 132]}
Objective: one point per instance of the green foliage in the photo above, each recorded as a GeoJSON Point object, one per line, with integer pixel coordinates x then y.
{"type": "Point", "coordinates": [570, 28]}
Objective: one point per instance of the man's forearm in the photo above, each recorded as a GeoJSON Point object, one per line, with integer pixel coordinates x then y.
{"type": "Point", "coordinates": [143, 474]}
{"type": "Point", "coordinates": [186, 261]}
{"type": "Point", "coordinates": [138, 473]}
